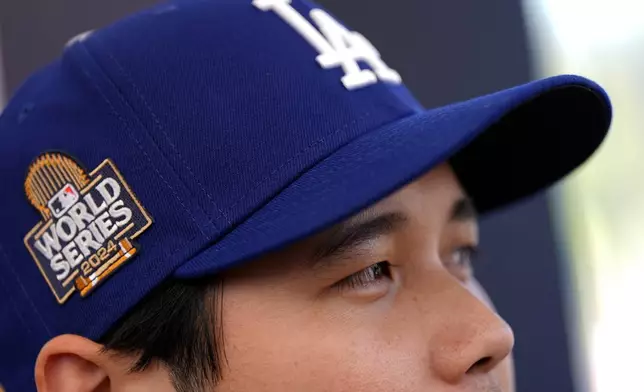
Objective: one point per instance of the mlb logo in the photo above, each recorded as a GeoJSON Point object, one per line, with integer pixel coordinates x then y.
{"type": "Point", "coordinates": [63, 200]}
{"type": "Point", "coordinates": [89, 222]}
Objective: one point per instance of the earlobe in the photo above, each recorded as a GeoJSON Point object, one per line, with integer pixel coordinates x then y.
{"type": "Point", "coordinates": [70, 363]}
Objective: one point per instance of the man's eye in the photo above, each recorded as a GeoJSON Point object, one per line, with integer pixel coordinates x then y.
{"type": "Point", "coordinates": [373, 274]}
{"type": "Point", "coordinates": [464, 256]}
{"type": "Point", "coordinates": [460, 261]}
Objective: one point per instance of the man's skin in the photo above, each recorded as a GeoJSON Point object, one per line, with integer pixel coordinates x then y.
{"type": "Point", "coordinates": [319, 317]}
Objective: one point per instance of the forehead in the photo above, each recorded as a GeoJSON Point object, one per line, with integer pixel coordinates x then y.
{"type": "Point", "coordinates": [436, 190]}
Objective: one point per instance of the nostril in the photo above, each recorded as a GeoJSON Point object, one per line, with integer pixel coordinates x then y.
{"type": "Point", "coordinates": [479, 365]}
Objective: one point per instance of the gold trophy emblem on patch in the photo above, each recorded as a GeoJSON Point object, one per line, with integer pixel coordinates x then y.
{"type": "Point", "coordinates": [89, 222]}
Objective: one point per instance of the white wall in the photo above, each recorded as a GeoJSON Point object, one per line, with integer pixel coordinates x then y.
{"type": "Point", "coordinates": [602, 206]}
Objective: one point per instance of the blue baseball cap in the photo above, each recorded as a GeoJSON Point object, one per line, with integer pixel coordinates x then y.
{"type": "Point", "coordinates": [196, 135]}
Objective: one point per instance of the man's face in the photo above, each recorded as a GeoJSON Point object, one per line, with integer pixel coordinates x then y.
{"type": "Point", "coordinates": [384, 302]}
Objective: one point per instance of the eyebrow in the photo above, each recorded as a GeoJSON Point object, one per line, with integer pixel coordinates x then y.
{"type": "Point", "coordinates": [464, 210]}
{"type": "Point", "coordinates": [349, 235]}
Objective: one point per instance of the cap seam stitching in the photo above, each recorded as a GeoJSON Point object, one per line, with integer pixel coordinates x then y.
{"type": "Point", "coordinates": [131, 135]}
{"type": "Point", "coordinates": [167, 137]}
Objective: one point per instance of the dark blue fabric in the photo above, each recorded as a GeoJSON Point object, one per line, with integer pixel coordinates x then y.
{"type": "Point", "coordinates": [235, 141]}
{"type": "Point", "coordinates": [377, 164]}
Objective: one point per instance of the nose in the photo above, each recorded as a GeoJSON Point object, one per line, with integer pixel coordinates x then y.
{"type": "Point", "coordinates": [472, 338]}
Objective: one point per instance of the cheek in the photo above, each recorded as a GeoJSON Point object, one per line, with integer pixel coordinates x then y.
{"type": "Point", "coordinates": [277, 345]}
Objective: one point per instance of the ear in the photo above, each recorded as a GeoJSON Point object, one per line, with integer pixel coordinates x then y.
{"type": "Point", "coordinates": [70, 363]}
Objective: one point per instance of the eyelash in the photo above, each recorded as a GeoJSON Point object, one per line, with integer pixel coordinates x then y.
{"type": "Point", "coordinates": [366, 277]}
{"type": "Point", "coordinates": [470, 251]}
{"type": "Point", "coordinates": [461, 263]}
{"type": "Point", "coordinates": [378, 271]}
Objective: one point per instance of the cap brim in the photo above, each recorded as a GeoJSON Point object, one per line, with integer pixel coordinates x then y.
{"type": "Point", "coordinates": [503, 146]}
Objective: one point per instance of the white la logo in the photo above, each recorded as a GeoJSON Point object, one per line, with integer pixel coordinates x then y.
{"type": "Point", "coordinates": [336, 45]}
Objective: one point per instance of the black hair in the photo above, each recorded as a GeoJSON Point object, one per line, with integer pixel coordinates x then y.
{"type": "Point", "coordinates": [178, 325]}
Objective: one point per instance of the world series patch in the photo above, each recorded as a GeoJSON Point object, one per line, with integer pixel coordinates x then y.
{"type": "Point", "coordinates": [89, 222]}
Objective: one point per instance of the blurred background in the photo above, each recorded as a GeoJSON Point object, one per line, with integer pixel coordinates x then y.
{"type": "Point", "coordinates": [566, 269]}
